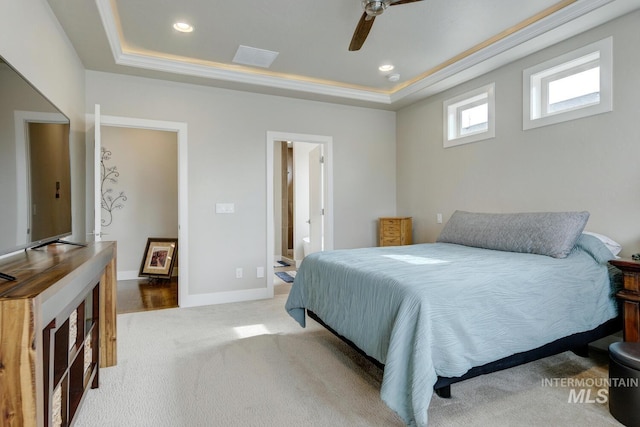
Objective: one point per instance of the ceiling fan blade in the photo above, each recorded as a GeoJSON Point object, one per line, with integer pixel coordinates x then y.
{"type": "Point", "coordinates": [361, 32]}
{"type": "Point", "coordinates": [394, 3]}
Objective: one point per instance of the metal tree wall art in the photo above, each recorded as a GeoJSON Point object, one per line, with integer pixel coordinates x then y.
{"type": "Point", "coordinates": [109, 175]}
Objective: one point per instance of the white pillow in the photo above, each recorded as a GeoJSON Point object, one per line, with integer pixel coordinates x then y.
{"type": "Point", "coordinates": [611, 244]}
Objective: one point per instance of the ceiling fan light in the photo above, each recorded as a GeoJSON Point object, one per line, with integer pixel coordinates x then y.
{"type": "Point", "coordinates": [375, 7]}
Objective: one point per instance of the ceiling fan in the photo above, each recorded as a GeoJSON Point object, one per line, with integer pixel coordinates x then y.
{"type": "Point", "coordinates": [372, 8]}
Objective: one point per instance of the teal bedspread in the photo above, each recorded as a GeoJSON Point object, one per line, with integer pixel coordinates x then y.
{"type": "Point", "coordinates": [430, 310]}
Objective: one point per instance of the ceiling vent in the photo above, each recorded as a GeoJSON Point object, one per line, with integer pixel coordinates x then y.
{"type": "Point", "coordinates": [255, 57]}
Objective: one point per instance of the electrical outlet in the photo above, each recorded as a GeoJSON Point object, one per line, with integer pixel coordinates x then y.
{"type": "Point", "coordinates": [239, 273]}
{"type": "Point", "coordinates": [439, 218]}
{"type": "Point", "coordinates": [259, 272]}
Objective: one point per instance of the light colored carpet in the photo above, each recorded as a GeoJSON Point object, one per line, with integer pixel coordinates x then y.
{"type": "Point", "coordinates": [250, 364]}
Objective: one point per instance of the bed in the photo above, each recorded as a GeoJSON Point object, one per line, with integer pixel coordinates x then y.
{"type": "Point", "coordinates": [494, 291]}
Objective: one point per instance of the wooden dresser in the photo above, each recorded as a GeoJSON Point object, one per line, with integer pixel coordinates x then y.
{"type": "Point", "coordinates": [630, 297]}
{"type": "Point", "coordinates": [57, 328]}
{"type": "Point", "coordinates": [395, 231]}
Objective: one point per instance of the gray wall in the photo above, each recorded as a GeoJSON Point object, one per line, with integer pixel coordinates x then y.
{"type": "Point", "coordinates": [227, 149]}
{"type": "Point", "coordinates": [587, 164]}
{"type": "Point", "coordinates": [41, 52]}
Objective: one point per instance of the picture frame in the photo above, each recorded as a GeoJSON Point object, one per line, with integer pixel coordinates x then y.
{"type": "Point", "coordinates": [159, 257]}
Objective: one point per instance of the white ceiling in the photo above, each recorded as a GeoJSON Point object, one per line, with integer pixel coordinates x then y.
{"type": "Point", "coordinates": [433, 44]}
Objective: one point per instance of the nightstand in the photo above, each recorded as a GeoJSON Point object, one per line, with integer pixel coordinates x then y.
{"type": "Point", "coordinates": [630, 297]}
{"type": "Point", "coordinates": [395, 231]}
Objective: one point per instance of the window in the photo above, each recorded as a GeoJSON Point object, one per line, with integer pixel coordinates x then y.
{"type": "Point", "coordinates": [469, 117]}
{"type": "Point", "coordinates": [571, 86]}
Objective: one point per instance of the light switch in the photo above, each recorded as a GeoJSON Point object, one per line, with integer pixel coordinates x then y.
{"type": "Point", "coordinates": [225, 208]}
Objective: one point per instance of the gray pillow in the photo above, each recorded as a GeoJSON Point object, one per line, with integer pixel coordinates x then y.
{"type": "Point", "coordinates": [545, 233]}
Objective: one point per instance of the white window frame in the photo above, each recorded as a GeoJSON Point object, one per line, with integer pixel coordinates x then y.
{"type": "Point", "coordinates": [536, 79]}
{"type": "Point", "coordinates": [452, 110]}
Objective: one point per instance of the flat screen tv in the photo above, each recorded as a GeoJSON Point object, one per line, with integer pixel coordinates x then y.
{"type": "Point", "coordinates": [35, 171]}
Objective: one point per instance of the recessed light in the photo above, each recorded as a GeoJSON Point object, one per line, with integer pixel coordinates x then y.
{"type": "Point", "coordinates": [183, 27]}
{"type": "Point", "coordinates": [393, 77]}
{"type": "Point", "coordinates": [386, 67]}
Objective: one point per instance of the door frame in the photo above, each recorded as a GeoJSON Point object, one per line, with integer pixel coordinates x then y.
{"type": "Point", "coordinates": [327, 142]}
{"type": "Point", "coordinates": [180, 129]}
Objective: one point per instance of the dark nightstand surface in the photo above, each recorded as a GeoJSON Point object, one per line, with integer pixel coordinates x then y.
{"type": "Point", "coordinates": [626, 264]}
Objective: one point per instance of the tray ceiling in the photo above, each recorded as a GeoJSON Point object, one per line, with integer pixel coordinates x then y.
{"type": "Point", "coordinates": [432, 44]}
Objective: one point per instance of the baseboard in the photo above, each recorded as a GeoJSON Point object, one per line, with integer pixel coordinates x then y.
{"type": "Point", "coordinates": [128, 275]}
{"type": "Point", "coordinates": [133, 275]}
{"type": "Point", "coordinates": [225, 297]}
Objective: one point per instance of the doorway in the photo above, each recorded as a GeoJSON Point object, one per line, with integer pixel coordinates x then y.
{"type": "Point", "coordinates": [180, 132]}
{"type": "Point", "coordinates": [139, 191]}
{"type": "Point", "coordinates": [299, 198]}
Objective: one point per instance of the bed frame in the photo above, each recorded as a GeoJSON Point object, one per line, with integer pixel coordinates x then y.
{"type": "Point", "coordinates": [578, 343]}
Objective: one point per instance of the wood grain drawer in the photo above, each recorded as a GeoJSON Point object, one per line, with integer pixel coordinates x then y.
{"type": "Point", "coordinates": [391, 228]}
{"type": "Point", "coordinates": [391, 241]}
{"type": "Point", "coordinates": [390, 222]}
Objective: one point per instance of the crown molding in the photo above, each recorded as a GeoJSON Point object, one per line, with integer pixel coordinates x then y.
{"type": "Point", "coordinates": [111, 29]}
{"type": "Point", "coordinates": [502, 45]}
{"type": "Point", "coordinates": [170, 65]}
{"type": "Point", "coordinates": [429, 79]}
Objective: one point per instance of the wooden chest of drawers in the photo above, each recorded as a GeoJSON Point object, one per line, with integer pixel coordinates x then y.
{"type": "Point", "coordinates": [630, 298]}
{"type": "Point", "coordinates": [395, 231]}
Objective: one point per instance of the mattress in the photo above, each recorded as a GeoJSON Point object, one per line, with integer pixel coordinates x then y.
{"type": "Point", "coordinates": [439, 309]}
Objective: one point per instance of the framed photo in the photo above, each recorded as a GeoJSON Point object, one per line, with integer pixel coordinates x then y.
{"type": "Point", "coordinates": [159, 257]}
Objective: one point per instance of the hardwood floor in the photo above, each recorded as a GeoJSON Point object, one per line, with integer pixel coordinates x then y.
{"type": "Point", "coordinates": [142, 295]}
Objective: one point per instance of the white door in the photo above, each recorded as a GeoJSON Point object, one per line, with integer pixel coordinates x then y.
{"type": "Point", "coordinates": [97, 177]}
{"type": "Point", "coordinates": [316, 211]}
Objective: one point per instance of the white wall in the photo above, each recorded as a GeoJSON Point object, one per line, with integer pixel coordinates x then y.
{"type": "Point", "coordinates": [587, 164]}
{"type": "Point", "coordinates": [36, 46]}
{"type": "Point", "coordinates": [146, 161]}
{"type": "Point", "coordinates": [227, 163]}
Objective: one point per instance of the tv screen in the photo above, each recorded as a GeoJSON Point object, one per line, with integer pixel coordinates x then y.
{"type": "Point", "coordinates": [35, 171]}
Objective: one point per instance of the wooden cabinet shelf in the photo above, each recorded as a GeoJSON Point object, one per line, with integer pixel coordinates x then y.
{"type": "Point", "coordinates": [58, 327]}
{"type": "Point", "coordinates": [75, 358]}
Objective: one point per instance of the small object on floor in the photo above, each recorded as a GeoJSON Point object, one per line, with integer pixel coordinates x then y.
{"type": "Point", "coordinates": [285, 276]}
{"type": "Point", "coordinates": [283, 264]}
